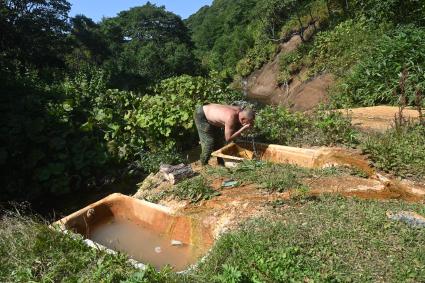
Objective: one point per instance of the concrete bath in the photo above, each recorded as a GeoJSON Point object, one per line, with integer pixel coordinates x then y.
{"type": "Point", "coordinates": [146, 232]}
{"type": "Point", "coordinates": [321, 157]}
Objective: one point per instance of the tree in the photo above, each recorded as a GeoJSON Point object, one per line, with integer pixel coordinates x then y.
{"type": "Point", "coordinates": [34, 32]}
{"type": "Point", "coordinates": [147, 44]}
{"type": "Point", "coordinates": [88, 43]}
{"type": "Point", "coordinates": [223, 32]}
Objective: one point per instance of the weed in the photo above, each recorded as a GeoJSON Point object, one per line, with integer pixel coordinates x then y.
{"type": "Point", "coordinates": [373, 79]}
{"type": "Point", "coordinates": [194, 189]}
{"type": "Point", "coordinates": [269, 176]}
{"type": "Point", "coordinates": [156, 197]}
{"type": "Point", "coordinates": [150, 161]}
{"type": "Point", "coordinates": [322, 127]}
{"type": "Point", "coordinates": [418, 103]}
{"type": "Point", "coordinates": [273, 177]}
{"type": "Point", "coordinates": [399, 151]}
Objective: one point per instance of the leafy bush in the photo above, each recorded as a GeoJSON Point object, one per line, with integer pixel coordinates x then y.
{"type": "Point", "coordinates": [55, 138]}
{"type": "Point", "coordinates": [395, 11]}
{"type": "Point", "coordinates": [44, 148]}
{"type": "Point", "coordinates": [289, 64]}
{"type": "Point", "coordinates": [166, 118]}
{"type": "Point", "coordinates": [401, 152]}
{"type": "Point", "coordinates": [322, 127]}
{"type": "Point", "coordinates": [255, 57]}
{"type": "Point", "coordinates": [374, 79]}
{"type": "Point", "coordinates": [150, 161]}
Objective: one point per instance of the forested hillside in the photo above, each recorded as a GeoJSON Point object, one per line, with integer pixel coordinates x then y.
{"type": "Point", "coordinates": [84, 102]}
{"type": "Point", "coordinates": [247, 34]}
{"type": "Point", "coordinates": [88, 107]}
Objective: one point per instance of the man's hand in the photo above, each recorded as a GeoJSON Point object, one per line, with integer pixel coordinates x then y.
{"type": "Point", "coordinates": [238, 133]}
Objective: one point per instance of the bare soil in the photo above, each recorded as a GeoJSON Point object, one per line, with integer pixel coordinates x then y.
{"type": "Point", "coordinates": [377, 118]}
{"type": "Point", "coordinates": [298, 95]}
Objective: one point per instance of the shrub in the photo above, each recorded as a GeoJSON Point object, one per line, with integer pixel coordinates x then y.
{"type": "Point", "coordinates": [165, 119]}
{"type": "Point", "coordinates": [322, 127]}
{"type": "Point", "coordinates": [56, 138]}
{"type": "Point", "coordinates": [44, 147]}
{"type": "Point", "coordinates": [396, 11]}
{"type": "Point", "coordinates": [374, 79]}
{"type": "Point", "coordinates": [401, 152]}
{"type": "Point", "coordinates": [150, 161]}
{"type": "Point", "coordinates": [255, 57]}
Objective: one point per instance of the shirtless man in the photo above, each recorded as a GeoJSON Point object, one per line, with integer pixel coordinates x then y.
{"type": "Point", "coordinates": [209, 120]}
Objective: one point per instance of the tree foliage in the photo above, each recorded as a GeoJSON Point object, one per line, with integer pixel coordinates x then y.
{"type": "Point", "coordinates": [34, 32]}
{"type": "Point", "coordinates": [147, 44]}
{"type": "Point", "coordinates": [223, 32]}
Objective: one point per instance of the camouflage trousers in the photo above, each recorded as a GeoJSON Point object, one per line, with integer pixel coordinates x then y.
{"type": "Point", "coordinates": [211, 137]}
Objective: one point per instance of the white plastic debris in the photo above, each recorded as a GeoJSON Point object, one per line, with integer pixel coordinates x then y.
{"type": "Point", "coordinates": [158, 250]}
{"type": "Point", "coordinates": [176, 243]}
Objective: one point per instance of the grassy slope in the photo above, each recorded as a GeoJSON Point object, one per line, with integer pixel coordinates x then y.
{"type": "Point", "coordinates": [328, 239]}
{"type": "Point", "coordinates": [325, 240]}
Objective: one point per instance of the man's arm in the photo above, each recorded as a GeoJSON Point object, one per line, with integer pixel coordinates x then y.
{"type": "Point", "coordinates": [229, 132]}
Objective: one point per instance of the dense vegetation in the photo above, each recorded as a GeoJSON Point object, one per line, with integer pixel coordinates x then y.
{"type": "Point", "coordinates": [84, 101]}
{"type": "Point", "coordinates": [65, 126]}
{"type": "Point", "coordinates": [366, 44]}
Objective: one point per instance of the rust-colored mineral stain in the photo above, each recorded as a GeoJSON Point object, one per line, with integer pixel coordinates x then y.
{"type": "Point", "coordinates": [352, 186]}
{"type": "Point", "coordinates": [142, 244]}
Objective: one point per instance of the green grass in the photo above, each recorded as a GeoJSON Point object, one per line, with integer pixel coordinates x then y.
{"type": "Point", "coordinates": [274, 177]}
{"type": "Point", "coordinates": [193, 189]}
{"type": "Point", "coordinates": [328, 240]}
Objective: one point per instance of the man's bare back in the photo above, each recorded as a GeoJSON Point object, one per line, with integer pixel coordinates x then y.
{"type": "Point", "coordinates": [227, 117]}
{"type": "Point", "coordinates": [219, 115]}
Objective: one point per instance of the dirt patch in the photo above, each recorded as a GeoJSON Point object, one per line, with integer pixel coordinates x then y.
{"type": "Point", "coordinates": [306, 95]}
{"type": "Point", "coordinates": [298, 95]}
{"type": "Point", "coordinates": [232, 207]}
{"type": "Point", "coordinates": [377, 118]}
{"type": "Point", "coordinates": [262, 84]}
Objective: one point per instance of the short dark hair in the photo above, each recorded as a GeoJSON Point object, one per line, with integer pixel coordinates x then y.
{"type": "Point", "coordinates": [249, 113]}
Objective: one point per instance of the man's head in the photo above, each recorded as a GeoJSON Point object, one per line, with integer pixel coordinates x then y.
{"type": "Point", "coordinates": [247, 116]}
